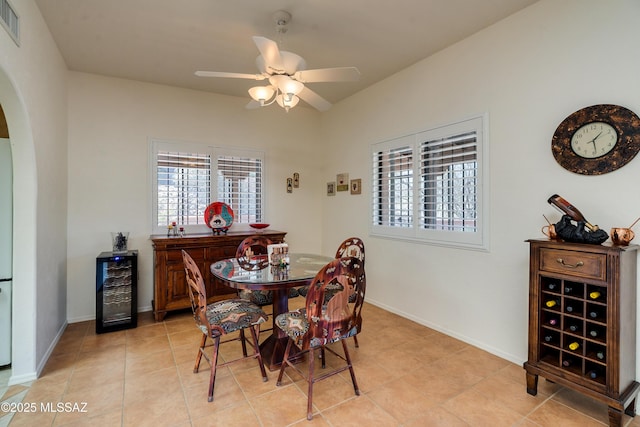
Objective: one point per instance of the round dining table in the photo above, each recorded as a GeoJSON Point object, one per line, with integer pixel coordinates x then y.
{"type": "Point", "coordinates": [259, 275]}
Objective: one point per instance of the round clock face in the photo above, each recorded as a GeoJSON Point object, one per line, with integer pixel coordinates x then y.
{"type": "Point", "coordinates": [597, 139]}
{"type": "Point", "coordinates": [594, 140]}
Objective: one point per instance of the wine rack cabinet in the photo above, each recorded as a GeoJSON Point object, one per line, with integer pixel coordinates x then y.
{"type": "Point", "coordinates": [582, 321]}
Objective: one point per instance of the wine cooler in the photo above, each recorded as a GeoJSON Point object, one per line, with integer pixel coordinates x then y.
{"type": "Point", "coordinates": [116, 291]}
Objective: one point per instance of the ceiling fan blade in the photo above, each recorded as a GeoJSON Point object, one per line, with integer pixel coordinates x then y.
{"type": "Point", "coordinates": [271, 55]}
{"type": "Point", "coordinates": [229, 75]}
{"type": "Point", "coordinates": [340, 74]}
{"type": "Point", "coordinates": [313, 99]}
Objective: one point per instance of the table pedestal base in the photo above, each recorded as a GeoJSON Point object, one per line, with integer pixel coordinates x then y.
{"type": "Point", "coordinates": [272, 351]}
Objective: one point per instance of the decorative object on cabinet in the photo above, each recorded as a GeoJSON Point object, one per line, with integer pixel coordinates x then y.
{"type": "Point", "coordinates": [219, 217]}
{"type": "Point", "coordinates": [583, 232]}
{"type": "Point", "coordinates": [356, 186]}
{"type": "Point", "coordinates": [258, 225]}
{"type": "Point", "coordinates": [342, 180]}
{"type": "Point", "coordinates": [582, 321]}
{"type": "Point", "coordinates": [331, 188]}
{"type": "Point", "coordinates": [622, 236]}
{"type": "Point", "coordinates": [219, 319]}
{"type": "Point", "coordinates": [170, 290]}
{"type": "Point", "coordinates": [119, 240]}
{"type": "Point", "coordinates": [116, 291]}
{"type": "Point", "coordinates": [596, 140]}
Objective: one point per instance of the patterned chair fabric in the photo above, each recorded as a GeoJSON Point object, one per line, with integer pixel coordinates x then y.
{"type": "Point", "coordinates": [221, 318]}
{"type": "Point", "coordinates": [252, 255]}
{"type": "Point", "coordinates": [323, 322]}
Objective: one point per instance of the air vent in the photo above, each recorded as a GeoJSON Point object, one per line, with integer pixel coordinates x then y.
{"type": "Point", "coordinates": [10, 20]}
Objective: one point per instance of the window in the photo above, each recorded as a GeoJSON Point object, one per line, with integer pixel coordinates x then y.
{"type": "Point", "coordinates": [430, 186]}
{"type": "Point", "coordinates": [188, 177]}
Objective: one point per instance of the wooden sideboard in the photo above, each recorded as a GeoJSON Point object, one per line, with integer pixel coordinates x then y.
{"type": "Point", "coordinates": [170, 290]}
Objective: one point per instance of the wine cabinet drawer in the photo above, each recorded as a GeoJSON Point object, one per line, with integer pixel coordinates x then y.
{"type": "Point", "coordinates": [582, 264]}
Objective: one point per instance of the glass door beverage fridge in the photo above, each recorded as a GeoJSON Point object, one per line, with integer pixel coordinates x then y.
{"type": "Point", "coordinates": [116, 291]}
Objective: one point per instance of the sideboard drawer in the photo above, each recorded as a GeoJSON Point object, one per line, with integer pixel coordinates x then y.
{"type": "Point", "coordinates": [583, 264]}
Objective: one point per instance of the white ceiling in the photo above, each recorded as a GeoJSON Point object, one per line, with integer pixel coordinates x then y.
{"type": "Point", "coordinates": [166, 41]}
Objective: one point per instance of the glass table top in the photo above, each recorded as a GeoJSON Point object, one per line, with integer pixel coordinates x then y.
{"type": "Point", "coordinates": [301, 267]}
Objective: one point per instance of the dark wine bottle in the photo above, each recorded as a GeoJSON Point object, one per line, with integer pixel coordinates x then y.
{"type": "Point", "coordinates": [593, 333]}
{"type": "Point", "coordinates": [548, 338]}
{"type": "Point", "coordinates": [552, 303]}
{"type": "Point", "coordinates": [574, 327]}
{"type": "Point", "coordinates": [594, 314]}
{"type": "Point", "coordinates": [574, 346]}
{"type": "Point", "coordinates": [568, 289]}
{"type": "Point", "coordinates": [553, 321]}
{"type": "Point", "coordinates": [594, 295]}
{"type": "Point", "coordinates": [600, 355]}
{"type": "Point", "coordinates": [568, 209]}
{"type": "Point", "coordinates": [567, 362]}
{"type": "Point", "coordinates": [551, 286]}
{"type": "Point", "coordinates": [593, 374]}
{"type": "Point", "coordinates": [568, 308]}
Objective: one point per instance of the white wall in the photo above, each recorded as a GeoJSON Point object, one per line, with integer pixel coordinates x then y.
{"type": "Point", "coordinates": [528, 73]}
{"type": "Point", "coordinates": [33, 96]}
{"type": "Point", "coordinates": [110, 124]}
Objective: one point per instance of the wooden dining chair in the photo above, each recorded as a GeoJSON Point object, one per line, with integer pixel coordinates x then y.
{"type": "Point", "coordinates": [251, 255]}
{"type": "Point", "coordinates": [321, 323]}
{"type": "Point", "coordinates": [351, 247]}
{"type": "Point", "coordinates": [221, 318]}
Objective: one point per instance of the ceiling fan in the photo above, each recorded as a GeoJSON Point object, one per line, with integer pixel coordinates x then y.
{"type": "Point", "coordinates": [286, 73]}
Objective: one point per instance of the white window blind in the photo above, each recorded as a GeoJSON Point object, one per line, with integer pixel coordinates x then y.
{"type": "Point", "coordinates": [239, 180]}
{"type": "Point", "coordinates": [393, 189]}
{"type": "Point", "coordinates": [188, 177]}
{"type": "Point", "coordinates": [431, 186]}
{"type": "Point", "coordinates": [184, 187]}
{"type": "Point", "coordinates": [448, 177]}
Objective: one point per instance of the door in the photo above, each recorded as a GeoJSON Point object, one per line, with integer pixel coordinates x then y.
{"type": "Point", "coordinates": [6, 248]}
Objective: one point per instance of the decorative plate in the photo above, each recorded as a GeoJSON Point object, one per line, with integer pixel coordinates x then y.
{"type": "Point", "coordinates": [218, 216]}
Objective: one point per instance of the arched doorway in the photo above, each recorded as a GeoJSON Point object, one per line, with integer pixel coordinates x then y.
{"type": "Point", "coordinates": [24, 314]}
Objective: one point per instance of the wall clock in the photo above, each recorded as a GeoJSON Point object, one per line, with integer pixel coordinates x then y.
{"type": "Point", "coordinates": [597, 139]}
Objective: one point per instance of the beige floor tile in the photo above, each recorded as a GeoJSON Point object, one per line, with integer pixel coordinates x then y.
{"type": "Point", "coordinates": [419, 377]}
{"type": "Point", "coordinates": [167, 410]}
{"type": "Point", "coordinates": [403, 401]}
{"type": "Point", "coordinates": [357, 412]}
{"type": "Point", "coordinates": [241, 415]}
{"type": "Point", "coordinates": [553, 413]}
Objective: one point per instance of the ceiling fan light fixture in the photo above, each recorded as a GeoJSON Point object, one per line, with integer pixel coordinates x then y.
{"type": "Point", "coordinates": [286, 85]}
{"type": "Point", "coordinates": [261, 93]}
{"type": "Point", "coordinates": [282, 101]}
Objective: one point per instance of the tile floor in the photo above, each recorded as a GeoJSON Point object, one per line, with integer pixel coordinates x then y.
{"type": "Point", "coordinates": [144, 377]}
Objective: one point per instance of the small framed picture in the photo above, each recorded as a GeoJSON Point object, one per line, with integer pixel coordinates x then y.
{"type": "Point", "coordinates": [331, 188]}
{"type": "Point", "coordinates": [356, 186]}
{"type": "Point", "coordinates": [342, 180]}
